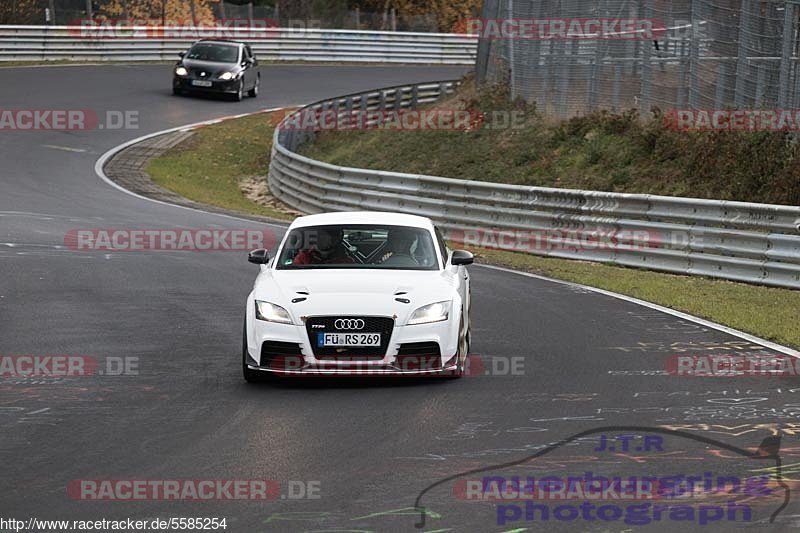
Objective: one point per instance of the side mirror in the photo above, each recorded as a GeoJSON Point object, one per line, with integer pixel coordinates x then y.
{"type": "Point", "coordinates": [259, 257]}
{"type": "Point", "coordinates": [181, 54]}
{"type": "Point", "coordinates": [461, 257]}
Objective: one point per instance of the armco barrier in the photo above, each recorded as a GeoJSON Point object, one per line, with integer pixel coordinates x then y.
{"type": "Point", "coordinates": [756, 243]}
{"type": "Point", "coordinates": [36, 43]}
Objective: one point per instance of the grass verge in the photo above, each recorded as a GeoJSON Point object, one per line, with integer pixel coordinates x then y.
{"type": "Point", "coordinates": [211, 166]}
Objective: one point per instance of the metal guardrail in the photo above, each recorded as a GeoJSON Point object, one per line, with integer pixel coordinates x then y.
{"type": "Point", "coordinates": [33, 43]}
{"type": "Point", "coordinates": [755, 243]}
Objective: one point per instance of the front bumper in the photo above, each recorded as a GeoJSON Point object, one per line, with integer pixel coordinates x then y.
{"type": "Point", "coordinates": [398, 360]}
{"type": "Point", "coordinates": [451, 370]}
{"type": "Point", "coordinates": [217, 86]}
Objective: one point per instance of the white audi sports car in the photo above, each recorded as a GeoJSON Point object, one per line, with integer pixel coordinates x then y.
{"type": "Point", "coordinates": [358, 293]}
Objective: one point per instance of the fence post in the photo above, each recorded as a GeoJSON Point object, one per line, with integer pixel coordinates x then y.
{"type": "Point", "coordinates": [694, 58]}
{"type": "Point", "coordinates": [647, 68]}
{"type": "Point", "coordinates": [511, 52]}
{"type": "Point", "coordinates": [786, 54]}
{"type": "Point", "coordinates": [722, 82]}
{"type": "Point", "coordinates": [484, 44]}
{"type": "Point", "coordinates": [761, 79]}
{"type": "Point", "coordinates": [741, 61]}
{"type": "Point", "coordinates": [598, 58]}
{"type": "Point", "coordinates": [600, 51]}
{"type": "Point", "coordinates": [563, 81]}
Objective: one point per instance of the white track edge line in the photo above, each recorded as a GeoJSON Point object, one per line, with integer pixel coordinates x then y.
{"type": "Point", "coordinates": [100, 163]}
{"type": "Point", "coordinates": [679, 314]}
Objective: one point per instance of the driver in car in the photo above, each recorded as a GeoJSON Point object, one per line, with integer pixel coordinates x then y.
{"type": "Point", "coordinates": [329, 250]}
{"type": "Point", "coordinates": [398, 242]}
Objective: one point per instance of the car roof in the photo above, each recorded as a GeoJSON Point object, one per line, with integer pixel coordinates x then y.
{"type": "Point", "coordinates": [363, 217]}
{"type": "Point", "coordinates": [219, 41]}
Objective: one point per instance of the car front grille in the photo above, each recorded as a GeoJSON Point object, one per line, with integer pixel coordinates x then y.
{"type": "Point", "coordinates": [372, 324]}
{"type": "Point", "coordinates": [194, 73]}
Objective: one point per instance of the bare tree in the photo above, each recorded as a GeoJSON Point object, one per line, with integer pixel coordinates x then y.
{"type": "Point", "coordinates": [193, 12]}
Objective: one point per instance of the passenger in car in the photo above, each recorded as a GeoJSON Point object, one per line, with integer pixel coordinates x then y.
{"type": "Point", "coordinates": [328, 250]}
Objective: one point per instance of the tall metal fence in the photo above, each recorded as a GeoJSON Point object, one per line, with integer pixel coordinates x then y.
{"type": "Point", "coordinates": [695, 54]}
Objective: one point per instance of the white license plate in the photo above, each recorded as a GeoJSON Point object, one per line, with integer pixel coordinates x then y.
{"type": "Point", "coordinates": [348, 339]}
{"type": "Point", "coordinates": [201, 83]}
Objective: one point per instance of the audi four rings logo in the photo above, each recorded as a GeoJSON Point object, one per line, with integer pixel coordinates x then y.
{"type": "Point", "coordinates": [349, 323]}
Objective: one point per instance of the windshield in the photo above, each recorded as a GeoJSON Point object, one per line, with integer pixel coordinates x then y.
{"type": "Point", "coordinates": [218, 53]}
{"type": "Point", "coordinates": [358, 246]}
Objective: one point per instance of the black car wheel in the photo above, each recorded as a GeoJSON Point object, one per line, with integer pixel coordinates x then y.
{"type": "Point", "coordinates": [238, 96]}
{"type": "Point", "coordinates": [176, 91]}
{"type": "Point", "coordinates": [254, 91]}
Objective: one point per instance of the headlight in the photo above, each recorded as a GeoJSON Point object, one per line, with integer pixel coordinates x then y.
{"type": "Point", "coordinates": [272, 313]}
{"type": "Point", "coordinates": [435, 312]}
{"type": "Point", "coordinates": [227, 76]}
{"type": "Point", "coordinates": [181, 71]}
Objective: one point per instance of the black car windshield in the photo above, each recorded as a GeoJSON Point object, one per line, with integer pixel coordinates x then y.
{"type": "Point", "coordinates": [358, 246]}
{"type": "Point", "coordinates": [217, 53]}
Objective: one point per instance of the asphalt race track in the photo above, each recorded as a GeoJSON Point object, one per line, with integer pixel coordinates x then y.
{"type": "Point", "coordinates": [550, 361]}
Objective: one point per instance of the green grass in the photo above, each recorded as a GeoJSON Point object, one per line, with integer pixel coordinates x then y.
{"type": "Point", "coordinates": [209, 166]}
{"type": "Point", "coordinates": [770, 313]}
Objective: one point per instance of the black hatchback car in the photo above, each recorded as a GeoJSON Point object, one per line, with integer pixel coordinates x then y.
{"type": "Point", "coordinates": [217, 66]}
